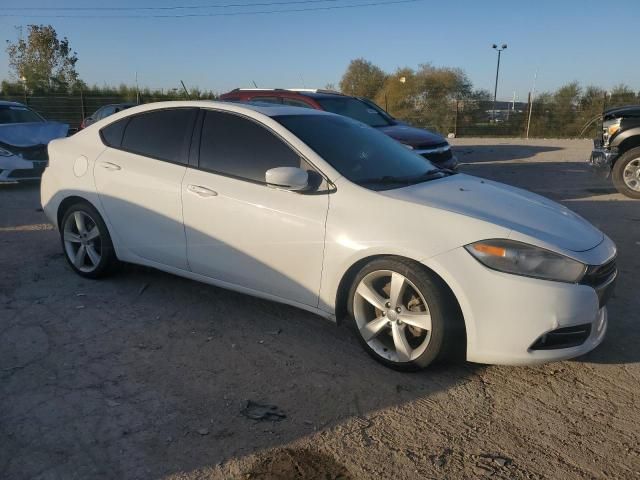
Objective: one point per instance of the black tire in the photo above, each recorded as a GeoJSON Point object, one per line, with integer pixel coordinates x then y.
{"type": "Point", "coordinates": [447, 335]}
{"type": "Point", "coordinates": [617, 173]}
{"type": "Point", "coordinates": [108, 260]}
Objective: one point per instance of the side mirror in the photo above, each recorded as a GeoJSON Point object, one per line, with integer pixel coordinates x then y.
{"type": "Point", "coordinates": [287, 178]}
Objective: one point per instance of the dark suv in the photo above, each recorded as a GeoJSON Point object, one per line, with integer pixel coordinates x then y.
{"type": "Point", "coordinates": [430, 145]}
{"type": "Point", "coordinates": [617, 149]}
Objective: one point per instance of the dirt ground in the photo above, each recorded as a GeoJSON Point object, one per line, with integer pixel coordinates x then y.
{"type": "Point", "coordinates": [146, 375]}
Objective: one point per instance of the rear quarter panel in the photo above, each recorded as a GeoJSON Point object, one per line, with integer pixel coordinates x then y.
{"type": "Point", "coordinates": [70, 172]}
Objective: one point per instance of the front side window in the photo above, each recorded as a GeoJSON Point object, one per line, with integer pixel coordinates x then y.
{"type": "Point", "coordinates": [235, 146]}
{"type": "Point", "coordinates": [161, 134]}
{"type": "Point", "coordinates": [362, 154]}
{"type": "Point", "coordinates": [354, 108]}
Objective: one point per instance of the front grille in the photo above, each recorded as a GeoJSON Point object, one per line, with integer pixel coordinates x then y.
{"type": "Point", "coordinates": [438, 157]}
{"type": "Point", "coordinates": [602, 278]}
{"type": "Point", "coordinates": [566, 337]}
{"type": "Point", "coordinates": [598, 274]}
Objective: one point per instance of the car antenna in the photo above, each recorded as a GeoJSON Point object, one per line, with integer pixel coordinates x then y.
{"type": "Point", "coordinates": [185, 90]}
{"type": "Point", "coordinates": [254, 83]}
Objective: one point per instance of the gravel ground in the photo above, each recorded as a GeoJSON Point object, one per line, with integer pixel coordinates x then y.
{"type": "Point", "coordinates": [146, 375]}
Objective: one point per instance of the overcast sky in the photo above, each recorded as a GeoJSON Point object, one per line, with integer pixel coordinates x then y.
{"type": "Point", "coordinates": [589, 41]}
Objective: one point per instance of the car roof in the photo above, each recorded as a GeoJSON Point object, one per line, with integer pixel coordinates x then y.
{"type": "Point", "coordinates": [265, 109]}
{"type": "Point", "coordinates": [307, 92]}
{"type": "Point", "coordinates": [130, 104]}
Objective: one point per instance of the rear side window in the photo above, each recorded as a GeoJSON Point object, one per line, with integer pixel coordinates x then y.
{"type": "Point", "coordinates": [235, 146]}
{"type": "Point", "coordinates": [295, 103]}
{"type": "Point", "coordinates": [161, 134]}
{"type": "Point", "coordinates": [267, 100]}
{"type": "Point", "coordinates": [112, 133]}
{"type": "Point", "coordinates": [105, 112]}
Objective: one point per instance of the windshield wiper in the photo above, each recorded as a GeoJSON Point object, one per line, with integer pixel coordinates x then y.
{"type": "Point", "coordinates": [383, 180]}
{"type": "Point", "coordinates": [410, 180]}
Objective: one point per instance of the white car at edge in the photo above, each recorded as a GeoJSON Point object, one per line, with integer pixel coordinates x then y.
{"type": "Point", "coordinates": [322, 212]}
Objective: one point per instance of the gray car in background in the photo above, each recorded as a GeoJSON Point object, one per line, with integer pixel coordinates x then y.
{"type": "Point", "coordinates": [104, 112]}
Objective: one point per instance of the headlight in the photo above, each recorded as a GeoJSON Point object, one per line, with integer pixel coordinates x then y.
{"type": "Point", "coordinates": [518, 258]}
{"type": "Point", "coordinates": [5, 153]}
{"type": "Point", "coordinates": [610, 128]}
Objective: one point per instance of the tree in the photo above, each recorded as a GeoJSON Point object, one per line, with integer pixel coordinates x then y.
{"type": "Point", "coordinates": [43, 61]}
{"type": "Point", "coordinates": [362, 79]}
{"type": "Point", "coordinates": [621, 95]}
{"type": "Point", "coordinates": [426, 97]}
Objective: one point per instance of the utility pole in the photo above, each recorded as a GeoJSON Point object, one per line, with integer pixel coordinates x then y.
{"type": "Point", "coordinates": [495, 90]}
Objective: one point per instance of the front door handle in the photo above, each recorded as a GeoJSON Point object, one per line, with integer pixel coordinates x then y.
{"type": "Point", "coordinates": [202, 191]}
{"type": "Point", "coordinates": [110, 166]}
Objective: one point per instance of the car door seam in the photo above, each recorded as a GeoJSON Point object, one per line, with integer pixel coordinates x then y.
{"type": "Point", "coordinates": [324, 248]}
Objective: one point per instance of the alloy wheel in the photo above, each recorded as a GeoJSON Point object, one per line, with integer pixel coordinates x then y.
{"type": "Point", "coordinates": [392, 316]}
{"type": "Point", "coordinates": [82, 241]}
{"type": "Point", "coordinates": [631, 175]}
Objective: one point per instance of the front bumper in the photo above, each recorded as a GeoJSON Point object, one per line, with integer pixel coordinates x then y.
{"type": "Point", "coordinates": [17, 169]}
{"type": "Point", "coordinates": [602, 158]}
{"type": "Point", "coordinates": [514, 320]}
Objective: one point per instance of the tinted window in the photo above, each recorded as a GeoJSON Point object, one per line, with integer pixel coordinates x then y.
{"type": "Point", "coordinates": [354, 108]}
{"type": "Point", "coordinates": [355, 150]}
{"type": "Point", "coordinates": [112, 133]}
{"type": "Point", "coordinates": [105, 112]}
{"type": "Point", "coordinates": [233, 145]}
{"type": "Point", "coordinates": [267, 100]}
{"type": "Point", "coordinates": [295, 103]}
{"type": "Point", "coordinates": [162, 134]}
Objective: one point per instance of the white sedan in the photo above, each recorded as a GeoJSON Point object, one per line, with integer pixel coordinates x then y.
{"type": "Point", "coordinates": [325, 213]}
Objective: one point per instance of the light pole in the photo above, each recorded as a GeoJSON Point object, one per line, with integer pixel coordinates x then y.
{"type": "Point", "coordinates": [495, 90]}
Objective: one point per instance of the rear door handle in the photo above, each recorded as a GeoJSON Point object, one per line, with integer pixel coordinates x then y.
{"type": "Point", "coordinates": [110, 166]}
{"type": "Point", "coordinates": [202, 191]}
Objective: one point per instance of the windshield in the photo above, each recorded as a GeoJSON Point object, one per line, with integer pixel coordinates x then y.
{"type": "Point", "coordinates": [360, 153]}
{"type": "Point", "coordinates": [354, 108]}
{"type": "Point", "coordinates": [18, 114]}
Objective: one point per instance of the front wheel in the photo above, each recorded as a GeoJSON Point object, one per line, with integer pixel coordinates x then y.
{"type": "Point", "coordinates": [626, 173]}
{"type": "Point", "coordinates": [86, 241]}
{"type": "Point", "coordinates": [405, 316]}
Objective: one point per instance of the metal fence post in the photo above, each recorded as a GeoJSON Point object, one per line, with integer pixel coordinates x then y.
{"type": "Point", "coordinates": [82, 106]}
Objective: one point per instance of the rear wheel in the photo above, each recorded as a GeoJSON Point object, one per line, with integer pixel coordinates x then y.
{"type": "Point", "coordinates": [86, 241]}
{"type": "Point", "coordinates": [626, 173]}
{"type": "Point", "coordinates": [405, 317]}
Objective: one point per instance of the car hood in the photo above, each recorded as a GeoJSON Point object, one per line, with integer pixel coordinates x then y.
{"type": "Point", "coordinates": [629, 111]}
{"type": "Point", "coordinates": [30, 134]}
{"type": "Point", "coordinates": [509, 207]}
{"type": "Point", "coordinates": [416, 137]}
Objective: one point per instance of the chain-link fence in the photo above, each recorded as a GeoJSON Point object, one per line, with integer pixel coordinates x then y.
{"type": "Point", "coordinates": [542, 118]}
{"type": "Point", "coordinates": [72, 109]}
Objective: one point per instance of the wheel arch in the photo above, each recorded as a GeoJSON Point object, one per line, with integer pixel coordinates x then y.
{"type": "Point", "coordinates": [342, 294]}
{"type": "Point", "coordinates": [627, 141]}
{"type": "Point", "coordinates": [66, 203]}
